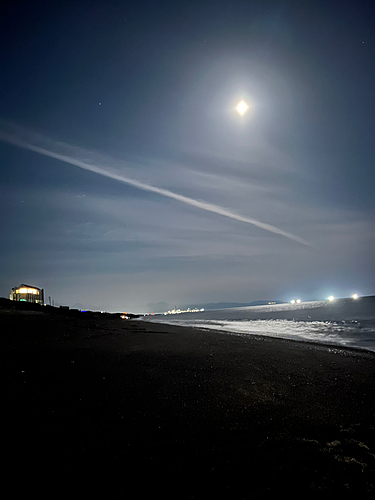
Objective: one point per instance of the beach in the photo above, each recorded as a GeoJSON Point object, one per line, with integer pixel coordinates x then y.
{"type": "Point", "coordinates": [97, 405]}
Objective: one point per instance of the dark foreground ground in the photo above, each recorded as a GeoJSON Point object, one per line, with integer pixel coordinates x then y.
{"type": "Point", "coordinates": [107, 408]}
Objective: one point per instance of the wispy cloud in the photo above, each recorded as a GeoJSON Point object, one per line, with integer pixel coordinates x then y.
{"type": "Point", "coordinates": [103, 165]}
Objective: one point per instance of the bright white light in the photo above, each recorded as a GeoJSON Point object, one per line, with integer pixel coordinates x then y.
{"type": "Point", "coordinates": [331, 297]}
{"type": "Point", "coordinates": [242, 107]}
{"type": "Point", "coordinates": [355, 296]}
{"type": "Point", "coordinates": [28, 290]}
{"type": "Point", "coordinates": [298, 301]}
{"type": "Point", "coordinates": [293, 301]}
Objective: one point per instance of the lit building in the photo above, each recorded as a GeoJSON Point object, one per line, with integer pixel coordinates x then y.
{"type": "Point", "coordinates": [27, 293]}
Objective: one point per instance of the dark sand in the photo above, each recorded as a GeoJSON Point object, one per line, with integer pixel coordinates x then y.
{"type": "Point", "coordinates": [107, 408]}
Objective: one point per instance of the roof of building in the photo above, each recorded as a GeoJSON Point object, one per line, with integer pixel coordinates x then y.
{"type": "Point", "coordinates": [23, 285]}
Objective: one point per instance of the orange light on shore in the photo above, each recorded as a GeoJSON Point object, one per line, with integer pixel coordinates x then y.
{"type": "Point", "coordinates": [32, 291]}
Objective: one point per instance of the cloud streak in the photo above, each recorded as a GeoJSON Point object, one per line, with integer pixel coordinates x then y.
{"type": "Point", "coordinates": [98, 164]}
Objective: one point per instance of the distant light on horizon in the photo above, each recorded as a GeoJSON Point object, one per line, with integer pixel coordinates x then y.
{"type": "Point", "coordinates": [295, 301]}
{"type": "Point", "coordinates": [331, 298]}
{"type": "Point", "coordinates": [355, 296]}
{"type": "Point", "coordinates": [242, 107]}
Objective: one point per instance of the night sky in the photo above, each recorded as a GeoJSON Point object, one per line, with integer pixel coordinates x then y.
{"type": "Point", "coordinates": [128, 177]}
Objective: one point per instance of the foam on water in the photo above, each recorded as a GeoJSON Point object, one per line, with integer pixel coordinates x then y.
{"type": "Point", "coordinates": [341, 324]}
{"type": "Point", "coordinates": [349, 335]}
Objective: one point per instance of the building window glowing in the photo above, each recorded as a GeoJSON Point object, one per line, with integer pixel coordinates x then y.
{"type": "Point", "coordinates": [28, 290]}
{"type": "Point", "coordinates": [27, 293]}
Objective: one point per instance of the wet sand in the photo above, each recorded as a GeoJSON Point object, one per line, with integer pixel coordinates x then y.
{"type": "Point", "coordinates": [99, 406]}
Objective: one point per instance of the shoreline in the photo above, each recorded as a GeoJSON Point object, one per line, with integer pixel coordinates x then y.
{"type": "Point", "coordinates": [259, 335]}
{"type": "Point", "coordinates": [102, 402]}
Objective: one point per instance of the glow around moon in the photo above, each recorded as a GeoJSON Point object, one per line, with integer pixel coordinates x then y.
{"type": "Point", "coordinates": [242, 107]}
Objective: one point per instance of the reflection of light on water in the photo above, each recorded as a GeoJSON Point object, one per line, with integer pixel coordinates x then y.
{"type": "Point", "coordinates": [346, 333]}
{"type": "Point", "coordinates": [343, 322]}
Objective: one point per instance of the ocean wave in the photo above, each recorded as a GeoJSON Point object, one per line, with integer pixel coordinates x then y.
{"type": "Point", "coordinates": [344, 324]}
{"type": "Point", "coordinates": [353, 334]}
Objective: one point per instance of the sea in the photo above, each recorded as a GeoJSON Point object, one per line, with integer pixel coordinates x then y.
{"type": "Point", "coordinates": [344, 322]}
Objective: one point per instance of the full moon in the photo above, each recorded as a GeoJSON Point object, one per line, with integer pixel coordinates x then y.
{"type": "Point", "coordinates": [242, 107]}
